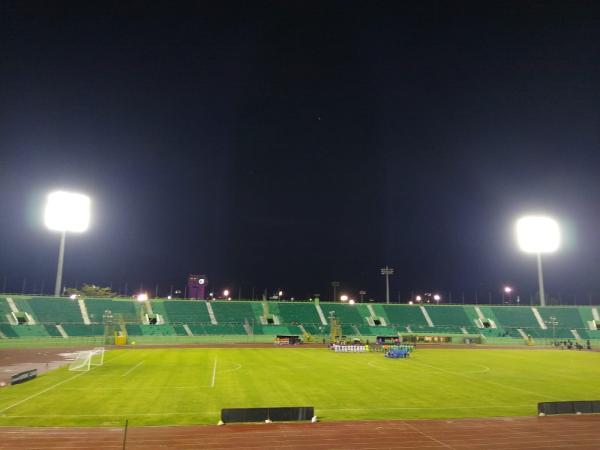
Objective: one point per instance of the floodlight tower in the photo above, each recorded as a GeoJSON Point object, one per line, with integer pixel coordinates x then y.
{"type": "Point", "coordinates": [387, 271]}
{"type": "Point", "coordinates": [66, 211]}
{"type": "Point", "coordinates": [335, 285]}
{"type": "Point", "coordinates": [538, 234]}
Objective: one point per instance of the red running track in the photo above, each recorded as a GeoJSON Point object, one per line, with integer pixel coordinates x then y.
{"type": "Point", "coordinates": [557, 432]}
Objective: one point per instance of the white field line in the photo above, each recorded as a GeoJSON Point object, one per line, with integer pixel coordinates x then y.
{"type": "Point", "coordinates": [41, 392]}
{"type": "Point", "coordinates": [238, 367]}
{"type": "Point", "coordinates": [505, 386]}
{"type": "Point", "coordinates": [485, 368]}
{"type": "Point", "coordinates": [214, 376]}
{"type": "Point", "coordinates": [133, 368]}
{"type": "Point", "coordinates": [51, 387]}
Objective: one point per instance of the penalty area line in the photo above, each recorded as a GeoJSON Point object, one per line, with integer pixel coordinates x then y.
{"type": "Point", "coordinates": [51, 387]}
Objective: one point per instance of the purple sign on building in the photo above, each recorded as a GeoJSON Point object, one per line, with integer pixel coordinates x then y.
{"type": "Point", "coordinates": [196, 287]}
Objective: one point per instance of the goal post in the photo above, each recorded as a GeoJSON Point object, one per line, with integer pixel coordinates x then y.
{"type": "Point", "coordinates": [86, 359]}
{"type": "Point", "coordinates": [97, 357]}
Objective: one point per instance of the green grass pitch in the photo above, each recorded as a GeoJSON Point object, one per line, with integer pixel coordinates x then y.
{"type": "Point", "coordinates": [190, 386]}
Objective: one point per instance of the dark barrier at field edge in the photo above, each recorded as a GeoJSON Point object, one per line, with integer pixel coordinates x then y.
{"type": "Point", "coordinates": [288, 414]}
{"type": "Point", "coordinates": [21, 377]}
{"type": "Point", "coordinates": [581, 406]}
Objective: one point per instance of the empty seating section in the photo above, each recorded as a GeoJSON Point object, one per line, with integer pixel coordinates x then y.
{"type": "Point", "coordinates": [83, 330]}
{"type": "Point", "coordinates": [305, 313]}
{"type": "Point", "coordinates": [53, 310]}
{"type": "Point", "coordinates": [568, 318]}
{"type": "Point", "coordinates": [448, 316]}
{"type": "Point", "coordinates": [125, 308]}
{"type": "Point", "coordinates": [277, 329]}
{"type": "Point", "coordinates": [220, 329]}
{"type": "Point", "coordinates": [31, 331]}
{"type": "Point", "coordinates": [516, 317]}
{"type": "Point", "coordinates": [179, 330]}
{"type": "Point", "coordinates": [4, 311]}
{"type": "Point", "coordinates": [134, 330]}
{"type": "Point", "coordinates": [8, 330]}
{"type": "Point", "coordinates": [186, 311]}
{"type": "Point", "coordinates": [244, 319]}
{"type": "Point", "coordinates": [52, 330]}
{"type": "Point", "coordinates": [234, 312]}
{"type": "Point", "coordinates": [348, 330]}
{"type": "Point", "coordinates": [316, 329]}
{"type": "Point", "coordinates": [158, 330]}
{"type": "Point", "coordinates": [346, 314]}
{"type": "Point", "coordinates": [402, 316]}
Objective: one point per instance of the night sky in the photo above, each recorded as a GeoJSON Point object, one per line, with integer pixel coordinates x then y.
{"type": "Point", "coordinates": [283, 145]}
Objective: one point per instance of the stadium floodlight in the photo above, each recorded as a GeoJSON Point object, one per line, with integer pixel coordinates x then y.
{"type": "Point", "coordinates": [437, 297]}
{"type": "Point", "coordinates": [538, 234]}
{"type": "Point", "coordinates": [66, 211]}
{"type": "Point", "coordinates": [226, 293]}
{"type": "Point", "coordinates": [351, 301]}
{"type": "Point", "coordinates": [344, 298]}
{"type": "Point", "coordinates": [507, 289]}
{"type": "Point", "coordinates": [418, 298]}
{"type": "Point", "coordinates": [142, 297]}
{"type": "Point", "coordinates": [387, 271]}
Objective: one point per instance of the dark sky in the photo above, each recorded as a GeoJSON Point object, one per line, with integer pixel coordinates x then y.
{"type": "Point", "coordinates": [288, 144]}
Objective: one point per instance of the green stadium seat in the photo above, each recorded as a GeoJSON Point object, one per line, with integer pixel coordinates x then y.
{"type": "Point", "coordinates": [406, 315]}
{"type": "Point", "coordinates": [126, 309]}
{"type": "Point", "coordinates": [186, 311]}
{"type": "Point", "coordinates": [8, 330]}
{"type": "Point", "coordinates": [30, 330]}
{"type": "Point", "coordinates": [515, 317]}
{"type": "Point", "coordinates": [305, 313]}
{"type": "Point", "coordinates": [73, 329]}
{"type": "Point", "coordinates": [346, 314]}
{"type": "Point", "coordinates": [448, 315]}
{"type": "Point", "coordinates": [4, 311]}
{"type": "Point", "coordinates": [54, 310]}
{"type": "Point", "coordinates": [52, 330]}
{"type": "Point", "coordinates": [234, 312]}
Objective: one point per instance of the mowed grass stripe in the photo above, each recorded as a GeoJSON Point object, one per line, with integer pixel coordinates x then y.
{"type": "Point", "coordinates": [173, 386]}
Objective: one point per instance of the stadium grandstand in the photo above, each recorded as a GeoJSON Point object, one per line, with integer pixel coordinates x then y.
{"type": "Point", "coordinates": [159, 320]}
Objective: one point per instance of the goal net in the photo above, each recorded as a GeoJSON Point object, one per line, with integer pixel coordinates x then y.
{"type": "Point", "coordinates": [86, 359]}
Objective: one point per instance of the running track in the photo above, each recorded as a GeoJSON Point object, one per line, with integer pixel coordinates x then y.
{"type": "Point", "coordinates": [557, 432]}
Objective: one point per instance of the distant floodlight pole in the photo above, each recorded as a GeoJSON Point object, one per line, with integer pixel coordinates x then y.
{"type": "Point", "coordinates": [61, 259]}
{"type": "Point", "coordinates": [66, 211]}
{"type": "Point", "coordinates": [538, 234]}
{"type": "Point", "coordinates": [335, 285]}
{"type": "Point", "coordinates": [387, 271]}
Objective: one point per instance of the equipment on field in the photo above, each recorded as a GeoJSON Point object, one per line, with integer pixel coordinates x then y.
{"type": "Point", "coordinates": [85, 359]}
{"type": "Point", "coordinates": [267, 415]}
{"type": "Point", "coordinates": [287, 340]}
{"type": "Point", "coordinates": [335, 326]}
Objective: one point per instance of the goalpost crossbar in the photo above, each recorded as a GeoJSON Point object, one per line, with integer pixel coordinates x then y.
{"type": "Point", "coordinates": [87, 358]}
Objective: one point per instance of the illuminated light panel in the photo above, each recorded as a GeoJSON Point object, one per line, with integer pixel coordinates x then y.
{"type": "Point", "coordinates": [538, 234]}
{"type": "Point", "coordinates": [67, 211]}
